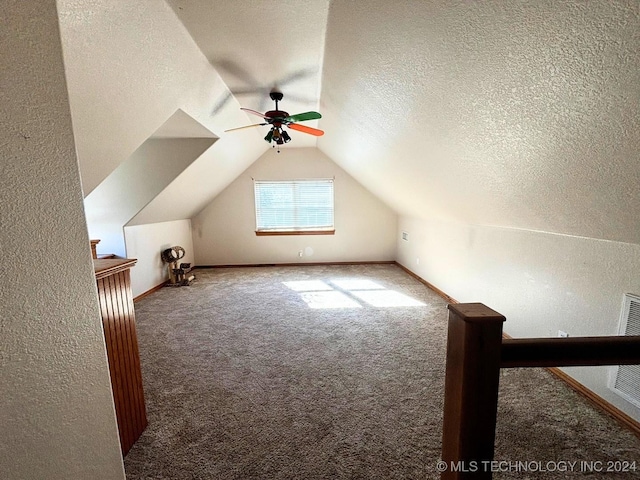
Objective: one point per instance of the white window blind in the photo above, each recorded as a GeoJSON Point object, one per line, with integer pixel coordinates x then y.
{"type": "Point", "coordinates": [295, 205]}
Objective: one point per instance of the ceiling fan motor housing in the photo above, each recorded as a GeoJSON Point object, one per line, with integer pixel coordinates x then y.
{"type": "Point", "coordinates": [276, 115]}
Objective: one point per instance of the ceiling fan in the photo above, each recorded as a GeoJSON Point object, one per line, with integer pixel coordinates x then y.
{"type": "Point", "coordinates": [279, 119]}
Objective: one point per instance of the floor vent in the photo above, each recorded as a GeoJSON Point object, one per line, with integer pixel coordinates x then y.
{"type": "Point", "coordinates": [625, 379]}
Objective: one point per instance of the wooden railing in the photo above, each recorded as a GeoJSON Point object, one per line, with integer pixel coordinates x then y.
{"type": "Point", "coordinates": [476, 352]}
{"type": "Point", "coordinates": [113, 279]}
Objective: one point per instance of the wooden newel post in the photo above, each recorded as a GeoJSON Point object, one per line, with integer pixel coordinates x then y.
{"type": "Point", "coordinates": [471, 391]}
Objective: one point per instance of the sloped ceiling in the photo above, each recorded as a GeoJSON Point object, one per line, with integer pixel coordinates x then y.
{"type": "Point", "coordinates": [514, 114]}
{"type": "Point", "coordinates": [517, 114]}
{"type": "Point", "coordinates": [260, 45]}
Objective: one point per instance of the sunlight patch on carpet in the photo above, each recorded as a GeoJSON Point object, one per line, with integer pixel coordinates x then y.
{"type": "Point", "coordinates": [356, 284]}
{"type": "Point", "coordinates": [332, 299]}
{"type": "Point", "coordinates": [349, 293]}
{"type": "Point", "coordinates": [387, 298]}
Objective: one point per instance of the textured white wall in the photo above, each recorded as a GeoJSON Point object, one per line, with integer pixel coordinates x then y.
{"type": "Point", "coordinates": [146, 242]}
{"type": "Point", "coordinates": [130, 66]}
{"type": "Point", "coordinates": [224, 232]}
{"type": "Point", "coordinates": [134, 183]}
{"type": "Point", "coordinates": [541, 282]}
{"type": "Point", "coordinates": [56, 410]}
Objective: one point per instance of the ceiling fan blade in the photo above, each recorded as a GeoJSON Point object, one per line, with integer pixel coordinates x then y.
{"type": "Point", "coordinates": [246, 126]}
{"type": "Point", "coordinates": [254, 112]}
{"type": "Point", "coordinates": [305, 129]}
{"type": "Point", "coordinates": [301, 117]}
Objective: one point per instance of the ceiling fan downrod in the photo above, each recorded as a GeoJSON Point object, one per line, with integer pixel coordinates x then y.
{"type": "Point", "coordinates": [276, 96]}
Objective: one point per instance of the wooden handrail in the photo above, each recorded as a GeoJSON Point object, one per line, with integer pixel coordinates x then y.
{"type": "Point", "coordinates": [475, 353]}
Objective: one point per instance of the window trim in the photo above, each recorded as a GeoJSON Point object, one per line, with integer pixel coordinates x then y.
{"type": "Point", "coordinates": [296, 231]}
{"type": "Point", "coordinates": [274, 233]}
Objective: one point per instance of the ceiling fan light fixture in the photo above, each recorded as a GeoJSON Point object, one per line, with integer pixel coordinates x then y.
{"type": "Point", "coordinates": [269, 135]}
{"type": "Point", "coordinates": [285, 136]}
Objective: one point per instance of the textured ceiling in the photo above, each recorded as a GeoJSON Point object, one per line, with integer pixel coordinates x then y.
{"type": "Point", "coordinates": [517, 114]}
{"type": "Point", "coordinates": [260, 45]}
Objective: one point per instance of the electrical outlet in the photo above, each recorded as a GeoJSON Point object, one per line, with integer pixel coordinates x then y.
{"type": "Point", "coordinates": [405, 236]}
{"type": "Point", "coordinates": [417, 260]}
{"type": "Point", "coordinates": [300, 253]}
{"type": "Point", "coordinates": [563, 334]}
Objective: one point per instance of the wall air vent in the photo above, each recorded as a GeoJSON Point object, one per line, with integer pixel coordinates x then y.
{"type": "Point", "coordinates": [625, 379]}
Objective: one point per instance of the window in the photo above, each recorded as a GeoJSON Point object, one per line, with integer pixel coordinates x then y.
{"type": "Point", "coordinates": [295, 207]}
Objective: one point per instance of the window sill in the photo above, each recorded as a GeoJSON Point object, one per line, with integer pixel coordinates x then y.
{"type": "Point", "coordinates": [294, 232]}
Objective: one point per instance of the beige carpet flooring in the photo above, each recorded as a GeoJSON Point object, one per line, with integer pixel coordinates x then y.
{"type": "Point", "coordinates": [333, 372]}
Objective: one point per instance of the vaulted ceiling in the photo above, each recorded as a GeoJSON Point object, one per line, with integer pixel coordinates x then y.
{"type": "Point", "coordinates": [260, 46]}
{"type": "Point", "coordinates": [514, 114]}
